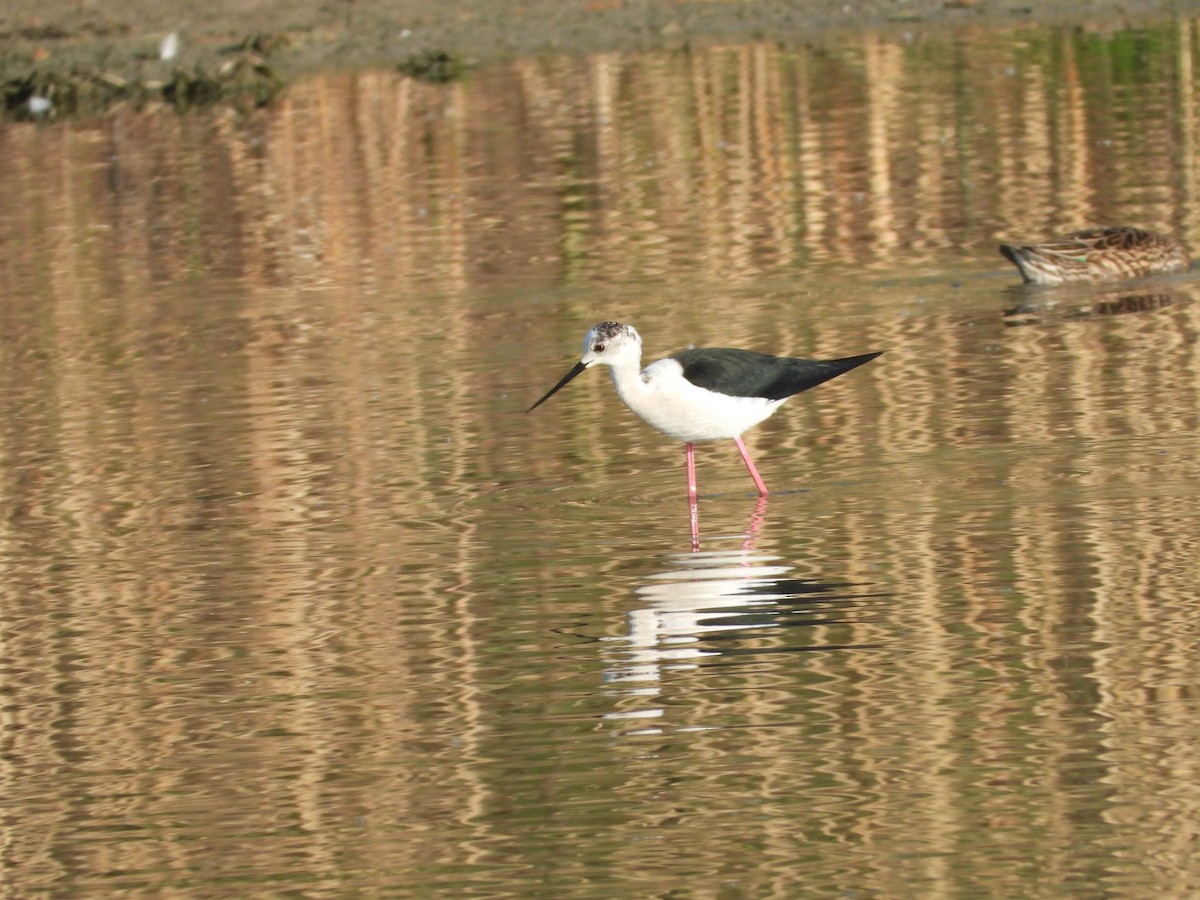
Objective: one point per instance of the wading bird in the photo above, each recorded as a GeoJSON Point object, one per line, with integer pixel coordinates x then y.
{"type": "Point", "coordinates": [701, 395]}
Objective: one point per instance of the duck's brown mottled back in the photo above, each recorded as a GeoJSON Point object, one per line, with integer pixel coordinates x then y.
{"type": "Point", "coordinates": [1098, 254]}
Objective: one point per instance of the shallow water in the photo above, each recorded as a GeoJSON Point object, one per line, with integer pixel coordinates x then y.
{"type": "Point", "coordinates": [298, 599]}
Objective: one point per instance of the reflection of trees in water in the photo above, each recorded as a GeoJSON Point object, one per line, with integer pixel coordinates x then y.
{"type": "Point", "coordinates": [731, 162]}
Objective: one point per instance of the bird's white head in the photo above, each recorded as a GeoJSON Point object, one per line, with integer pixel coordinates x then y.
{"type": "Point", "coordinates": [606, 344]}
{"type": "Point", "coordinates": [609, 343]}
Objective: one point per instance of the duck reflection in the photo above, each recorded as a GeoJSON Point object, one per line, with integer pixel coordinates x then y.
{"type": "Point", "coordinates": [1039, 305]}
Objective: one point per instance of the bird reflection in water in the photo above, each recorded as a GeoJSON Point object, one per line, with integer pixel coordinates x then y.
{"type": "Point", "coordinates": [1052, 307]}
{"type": "Point", "coordinates": [738, 604]}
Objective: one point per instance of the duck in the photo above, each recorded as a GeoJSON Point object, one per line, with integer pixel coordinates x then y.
{"type": "Point", "coordinates": [1098, 254]}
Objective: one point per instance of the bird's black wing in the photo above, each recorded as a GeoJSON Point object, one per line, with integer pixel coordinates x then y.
{"type": "Point", "coordinates": [744, 373]}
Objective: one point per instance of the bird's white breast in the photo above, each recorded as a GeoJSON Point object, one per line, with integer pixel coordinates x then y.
{"type": "Point", "coordinates": [676, 407]}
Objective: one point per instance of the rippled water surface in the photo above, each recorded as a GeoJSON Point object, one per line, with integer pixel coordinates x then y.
{"type": "Point", "coordinates": [297, 599]}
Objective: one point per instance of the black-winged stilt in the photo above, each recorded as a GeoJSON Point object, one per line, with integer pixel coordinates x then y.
{"type": "Point", "coordinates": [701, 395]}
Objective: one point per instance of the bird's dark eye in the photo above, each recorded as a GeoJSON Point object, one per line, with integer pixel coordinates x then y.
{"type": "Point", "coordinates": [599, 348]}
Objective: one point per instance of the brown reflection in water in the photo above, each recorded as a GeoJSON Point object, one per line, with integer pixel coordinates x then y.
{"type": "Point", "coordinates": [729, 162]}
{"type": "Point", "coordinates": [220, 408]}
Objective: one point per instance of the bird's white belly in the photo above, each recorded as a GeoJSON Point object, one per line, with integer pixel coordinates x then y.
{"type": "Point", "coordinates": [676, 407]}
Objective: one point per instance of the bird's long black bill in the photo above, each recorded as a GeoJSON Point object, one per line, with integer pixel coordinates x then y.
{"type": "Point", "coordinates": [579, 367]}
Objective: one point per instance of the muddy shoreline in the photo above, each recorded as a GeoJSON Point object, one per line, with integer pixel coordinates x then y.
{"type": "Point", "coordinates": [81, 55]}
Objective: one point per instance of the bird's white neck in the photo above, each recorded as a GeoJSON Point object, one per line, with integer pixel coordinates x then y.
{"type": "Point", "coordinates": [627, 379]}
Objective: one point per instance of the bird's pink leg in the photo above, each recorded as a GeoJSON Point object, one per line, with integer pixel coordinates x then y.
{"type": "Point", "coordinates": [762, 488]}
{"type": "Point", "coordinates": [689, 452]}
